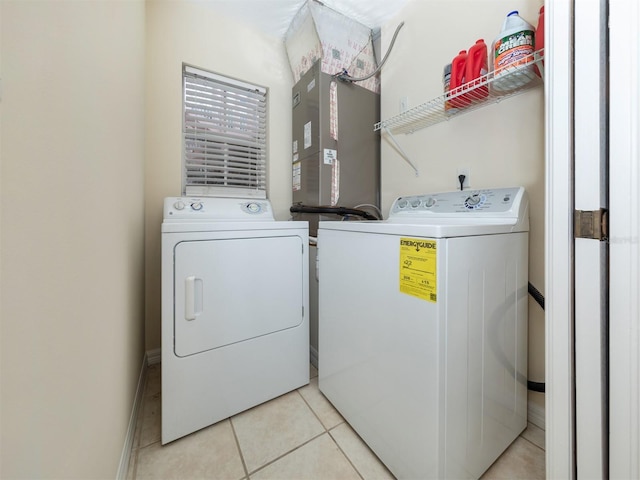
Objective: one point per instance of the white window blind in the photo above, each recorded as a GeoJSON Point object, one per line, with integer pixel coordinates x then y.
{"type": "Point", "coordinates": [225, 136]}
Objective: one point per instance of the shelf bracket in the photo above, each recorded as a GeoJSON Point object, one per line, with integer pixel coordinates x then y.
{"type": "Point", "coordinates": [401, 151]}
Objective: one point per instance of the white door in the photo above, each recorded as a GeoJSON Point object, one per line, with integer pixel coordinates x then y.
{"type": "Point", "coordinates": [577, 268]}
{"type": "Point", "coordinates": [234, 289]}
{"type": "Point", "coordinates": [624, 158]}
{"type": "Point", "coordinates": [593, 118]}
{"type": "Point", "coordinates": [559, 401]}
{"type": "Point", "coordinates": [590, 255]}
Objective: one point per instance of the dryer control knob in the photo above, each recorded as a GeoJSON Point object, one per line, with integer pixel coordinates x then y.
{"type": "Point", "coordinates": [430, 202]}
{"type": "Point", "coordinates": [196, 206]}
{"type": "Point", "coordinates": [179, 205]}
{"type": "Point", "coordinates": [253, 207]}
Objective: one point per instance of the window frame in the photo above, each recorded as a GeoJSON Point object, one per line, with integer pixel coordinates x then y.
{"type": "Point", "coordinates": [212, 165]}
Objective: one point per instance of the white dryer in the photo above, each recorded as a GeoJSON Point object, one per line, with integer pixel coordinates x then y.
{"type": "Point", "coordinates": [235, 330]}
{"type": "Point", "coordinates": [423, 329]}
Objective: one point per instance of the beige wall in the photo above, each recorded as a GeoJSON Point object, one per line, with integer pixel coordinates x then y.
{"type": "Point", "coordinates": [72, 234]}
{"type": "Point", "coordinates": [501, 144]}
{"type": "Point", "coordinates": [195, 33]}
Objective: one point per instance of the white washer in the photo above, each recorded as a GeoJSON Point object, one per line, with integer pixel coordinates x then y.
{"type": "Point", "coordinates": [423, 329]}
{"type": "Point", "coordinates": [235, 330]}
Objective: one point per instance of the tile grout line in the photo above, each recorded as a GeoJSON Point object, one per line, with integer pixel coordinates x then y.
{"type": "Point", "coordinates": [343, 452]}
{"type": "Point", "coordinates": [532, 443]}
{"type": "Point", "coordinates": [235, 436]}
{"type": "Point", "coordinates": [247, 474]}
{"type": "Point", "coordinates": [297, 390]}
{"type": "Point", "coordinates": [328, 431]}
{"type": "Point", "coordinates": [288, 452]}
{"type": "Point", "coordinates": [311, 408]}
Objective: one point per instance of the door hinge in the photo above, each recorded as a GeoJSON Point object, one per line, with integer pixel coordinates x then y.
{"type": "Point", "coordinates": [593, 224]}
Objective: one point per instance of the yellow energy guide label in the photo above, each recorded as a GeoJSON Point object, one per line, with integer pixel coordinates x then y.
{"type": "Point", "coordinates": [418, 268]}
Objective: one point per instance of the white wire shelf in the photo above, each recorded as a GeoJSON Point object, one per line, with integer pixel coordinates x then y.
{"type": "Point", "coordinates": [490, 88]}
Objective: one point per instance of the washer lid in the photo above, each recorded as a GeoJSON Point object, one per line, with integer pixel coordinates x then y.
{"type": "Point", "coordinates": [451, 214]}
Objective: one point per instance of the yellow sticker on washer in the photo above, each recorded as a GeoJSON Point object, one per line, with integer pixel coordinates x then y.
{"type": "Point", "coordinates": [418, 268]}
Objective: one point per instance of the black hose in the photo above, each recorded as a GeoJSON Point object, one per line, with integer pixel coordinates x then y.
{"type": "Point", "coordinates": [343, 211]}
{"type": "Point", "coordinates": [539, 298]}
{"type": "Point", "coordinates": [536, 386]}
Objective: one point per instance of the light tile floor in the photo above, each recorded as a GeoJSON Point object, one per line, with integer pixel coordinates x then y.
{"type": "Point", "coordinates": [298, 435]}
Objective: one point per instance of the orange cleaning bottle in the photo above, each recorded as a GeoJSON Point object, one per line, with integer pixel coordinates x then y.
{"type": "Point", "coordinates": [458, 70]}
{"type": "Point", "coordinates": [475, 71]}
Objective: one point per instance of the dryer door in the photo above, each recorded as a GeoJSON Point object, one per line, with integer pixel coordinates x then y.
{"type": "Point", "coordinates": [231, 290]}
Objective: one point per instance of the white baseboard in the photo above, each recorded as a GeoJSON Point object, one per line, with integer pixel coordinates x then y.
{"type": "Point", "coordinates": [154, 356]}
{"type": "Point", "coordinates": [536, 414]}
{"type": "Point", "coordinates": [313, 356]}
{"type": "Point", "coordinates": [125, 457]}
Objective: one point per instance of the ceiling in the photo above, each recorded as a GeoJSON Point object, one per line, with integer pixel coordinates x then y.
{"type": "Point", "coordinates": [273, 17]}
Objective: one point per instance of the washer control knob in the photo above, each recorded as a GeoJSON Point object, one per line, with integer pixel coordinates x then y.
{"type": "Point", "coordinates": [402, 204]}
{"type": "Point", "coordinates": [473, 199]}
{"type": "Point", "coordinates": [196, 206]}
{"type": "Point", "coordinates": [430, 202]}
{"type": "Point", "coordinates": [179, 205]}
{"type": "Point", "coordinates": [415, 203]}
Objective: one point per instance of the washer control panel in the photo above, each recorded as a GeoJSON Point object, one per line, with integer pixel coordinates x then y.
{"type": "Point", "coordinates": [496, 201]}
{"type": "Point", "coordinates": [217, 209]}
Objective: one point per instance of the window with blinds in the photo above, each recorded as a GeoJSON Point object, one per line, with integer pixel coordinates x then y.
{"type": "Point", "coordinates": [224, 136]}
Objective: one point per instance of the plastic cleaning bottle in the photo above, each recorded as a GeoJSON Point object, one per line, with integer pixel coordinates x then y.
{"type": "Point", "coordinates": [475, 70]}
{"type": "Point", "coordinates": [458, 66]}
{"type": "Point", "coordinates": [446, 80]}
{"type": "Point", "coordinates": [512, 59]}
{"type": "Point", "coordinates": [539, 43]}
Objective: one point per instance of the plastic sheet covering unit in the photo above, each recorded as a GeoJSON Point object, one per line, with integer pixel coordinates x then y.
{"type": "Point", "coordinates": [318, 32]}
{"type": "Point", "coordinates": [273, 17]}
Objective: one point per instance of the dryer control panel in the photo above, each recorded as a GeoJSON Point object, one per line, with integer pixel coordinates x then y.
{"type": "Point", "coordinates": [217, 209]}
{"type": "Point", "coordinates": [495, 202]}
